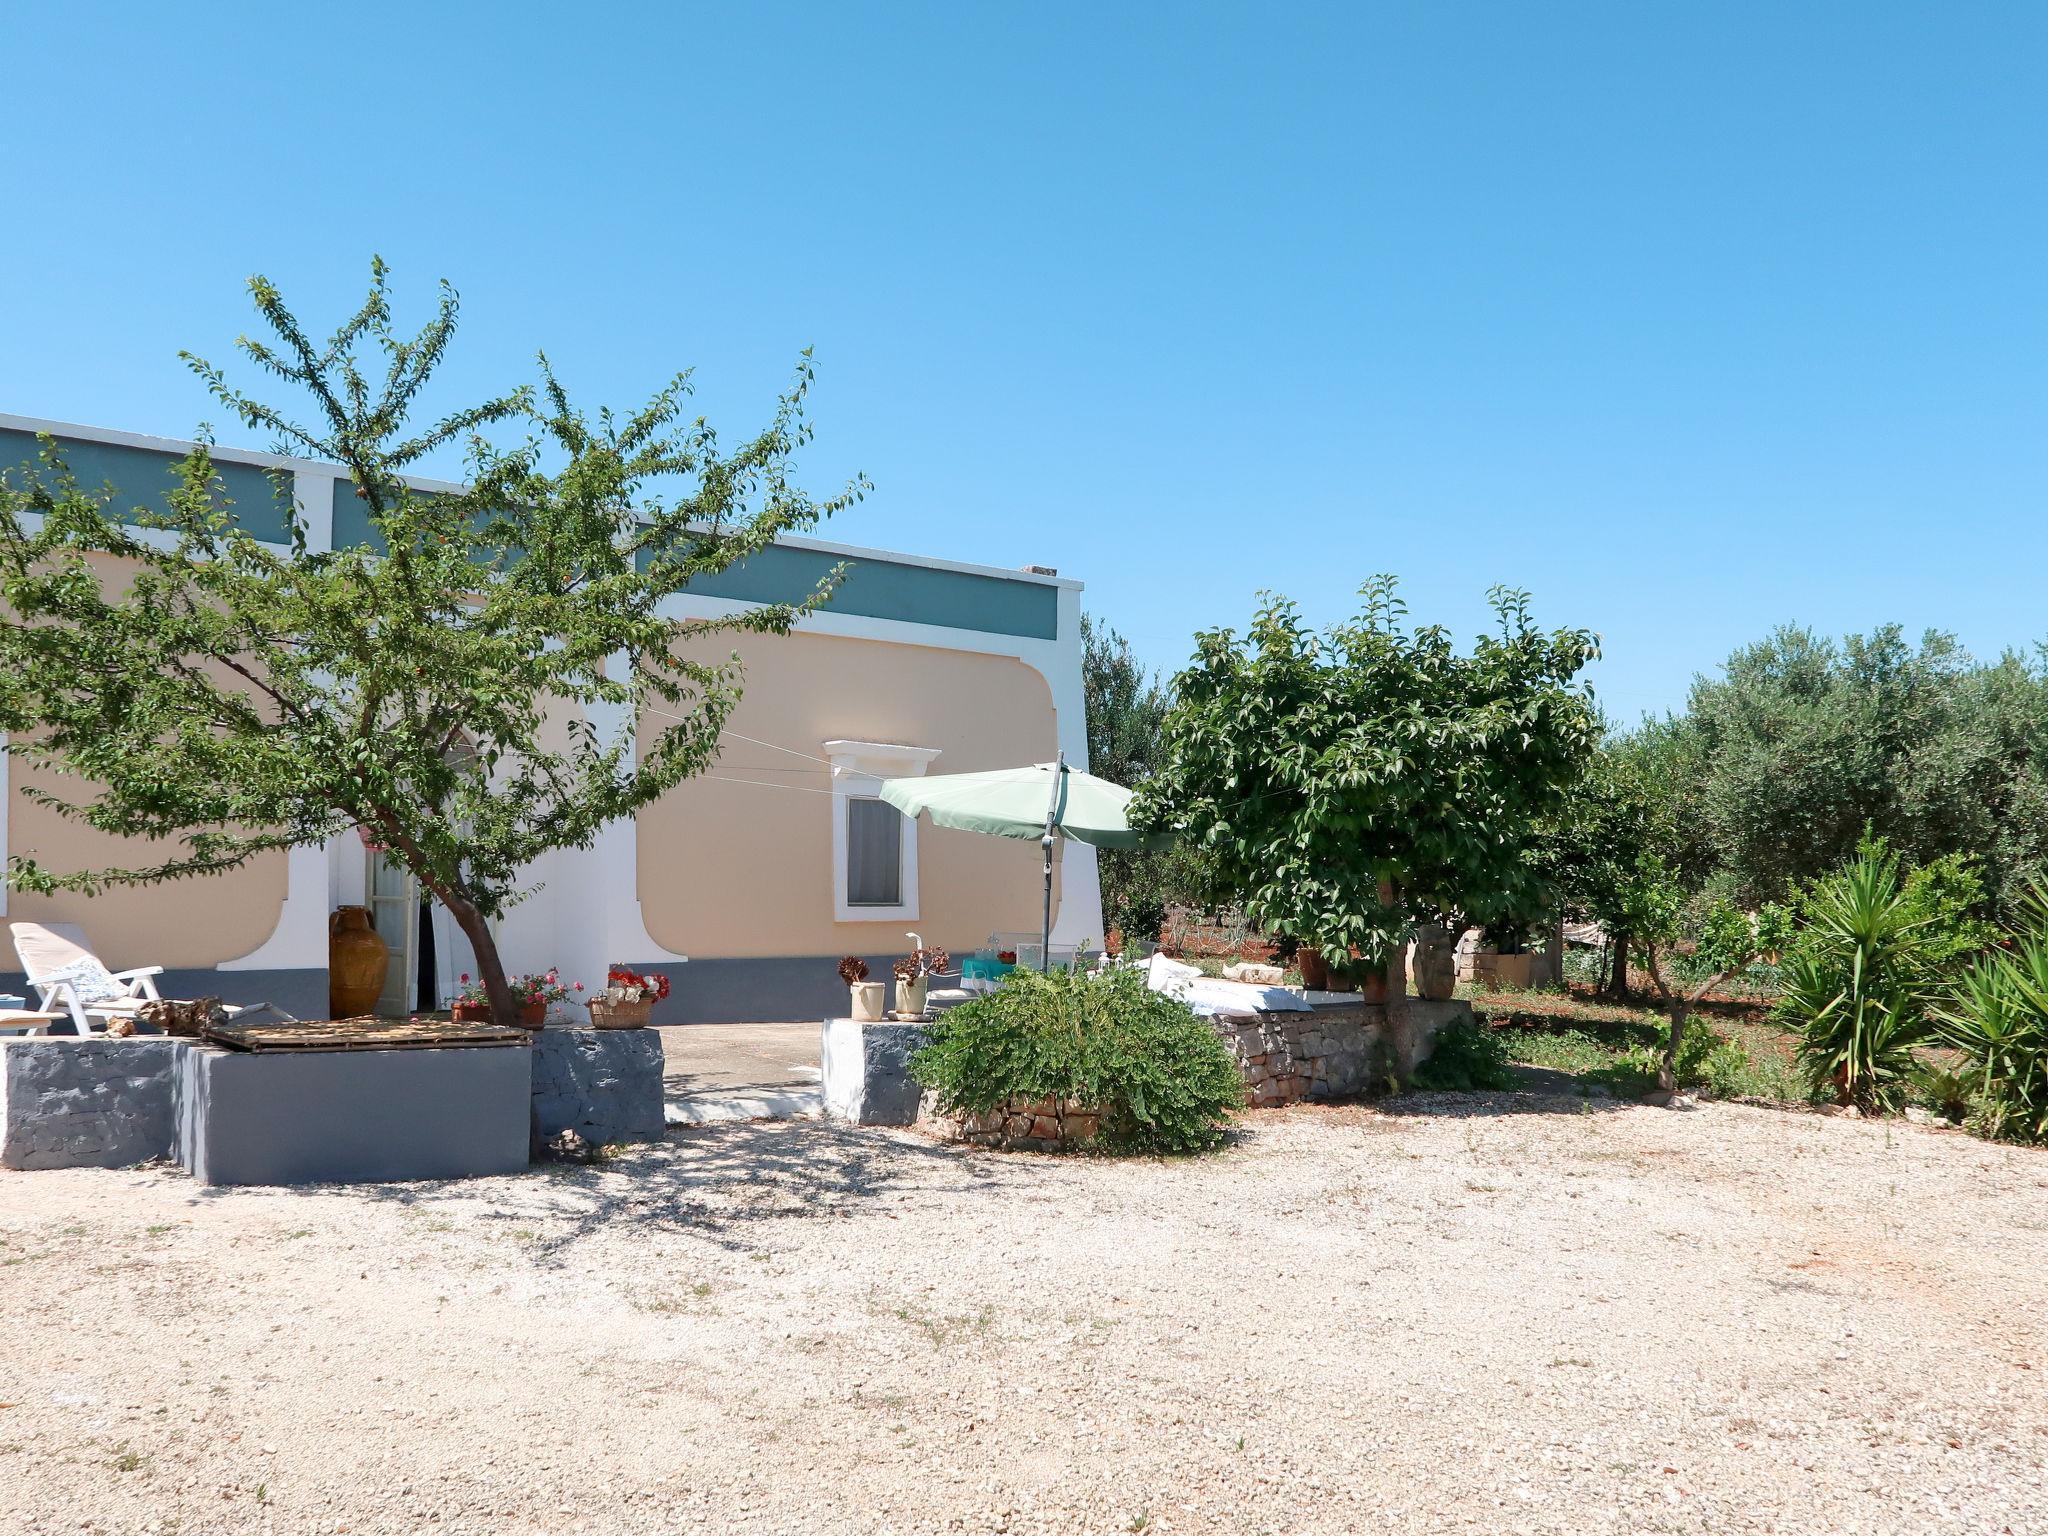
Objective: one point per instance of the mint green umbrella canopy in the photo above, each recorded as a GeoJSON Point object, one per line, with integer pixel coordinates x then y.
{"type": "Point", "coordinates": [1015, 802]}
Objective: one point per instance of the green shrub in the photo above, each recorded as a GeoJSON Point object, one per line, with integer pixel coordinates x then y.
{"type": "Point", "coordinates": [1465, 1058]}
{"type": "Point", "coordinates": [1998, 1018]}
{"type": "Point", "coordinates": [1949, 1093]}
{"type": "Point", "coordinates": [1861, 971]}
{"type": "Point", "coordinates": [1160, 1078]}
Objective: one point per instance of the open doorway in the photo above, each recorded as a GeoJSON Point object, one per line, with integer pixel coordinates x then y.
{"type": "Point", "coordinates": [429, 953]}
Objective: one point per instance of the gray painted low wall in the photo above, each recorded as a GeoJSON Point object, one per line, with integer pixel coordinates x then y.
{"type": "Point", "coordinates": [603, 1084]}
{"type": "Point", "coordinates": [352, 1117]}
{"type": "Point", "coordinates": [773, 990]}
{"type": "Point", "coordinates": [300, 993]}
{"type": "Point", "coordinates": [71, 1103]}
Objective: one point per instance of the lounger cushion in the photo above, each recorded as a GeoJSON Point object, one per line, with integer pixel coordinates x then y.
{"type": "Point", "coordinates": [90, 982]}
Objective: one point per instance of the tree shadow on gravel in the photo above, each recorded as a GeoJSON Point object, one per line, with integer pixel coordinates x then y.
{"type": "Point", "coordinates": [730, 1184]}
{"type": "Point", "coordinates": [1542, 1092]}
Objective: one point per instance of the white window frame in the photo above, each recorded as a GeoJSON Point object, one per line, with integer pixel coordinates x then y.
{"type": "Point", "coordinates": [858, 768]}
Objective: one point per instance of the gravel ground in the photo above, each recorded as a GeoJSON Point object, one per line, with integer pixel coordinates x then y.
{"type": "Point", "coordinates": [1502, 1315]}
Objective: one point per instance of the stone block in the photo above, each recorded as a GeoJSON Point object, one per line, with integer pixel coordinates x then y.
{"type": "Point", "coordinates": [352, 1117]}
{"type": "Point", "coordinates": [603, 1084]}
{"type": "Point", "coordinates": [67, 1102]}
{"type": "Point", "coordinates": [866, 1069]}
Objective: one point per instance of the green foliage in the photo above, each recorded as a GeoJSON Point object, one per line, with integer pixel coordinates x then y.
{"type": "Point", "coordinates": [1627, 1061]}
{"type": "Point", "coordinates": [1860, 974]}
{"type": "Point", "coordinates": [1948, 1091]}
{"type": "Point", "coordinates": [1803, 743]}
{"type": "Point", "coordinates": [1465, 1058]}
{"type": "Point", "coordinates": [1126, 710]}
{"type": "Point", "coordinates": [1997, 1017]}
{"type": "Point", "coordinates": [1161, 1079]}
{"type": "Point", "coordinates": [1342, 781]}
{"type": "Point", "coordinates": [1619, 850]}
{"type": "Point", "coordinates": [231, 698]}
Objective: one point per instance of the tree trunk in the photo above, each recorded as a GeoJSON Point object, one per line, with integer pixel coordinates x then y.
{"type": "Point", "coordinates": [490, 969]}
{"type": "Point", "coordinates": [1656, 973]}
{"type": "Point", "coordinates": [1617, 981]}
{"type": "Point", "coordinates": [1667, 1069]}
{"type": "Point", "coordinates": [1400, 1018]}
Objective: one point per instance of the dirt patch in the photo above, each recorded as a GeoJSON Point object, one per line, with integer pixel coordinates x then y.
{"type": "Point", "coordinates": [1497, 1313]}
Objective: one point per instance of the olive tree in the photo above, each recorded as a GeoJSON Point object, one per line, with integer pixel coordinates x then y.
{"type": "Point", "coordinates": [234, 697]}
{"type": "Point", "coordinates": [1345, 782]}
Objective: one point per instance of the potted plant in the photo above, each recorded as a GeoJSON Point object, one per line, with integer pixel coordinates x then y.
{"type": "Point", "coordinates": [1315, 970]}
{"type": "Point", "coordinates": [535, 994]}
{"type": "Point", "coordinates": [913, 977]}
{"type": "Point", "coordinates": [866, 1004]}
{"type": "Point", "coordinates": [628, 999]}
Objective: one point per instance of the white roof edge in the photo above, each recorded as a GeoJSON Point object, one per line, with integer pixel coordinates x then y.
{"type": "Point", "coordinates": [283, 461]}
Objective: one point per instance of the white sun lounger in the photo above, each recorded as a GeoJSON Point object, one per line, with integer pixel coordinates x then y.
{"type": "Point", "coordinates": [70, 979]}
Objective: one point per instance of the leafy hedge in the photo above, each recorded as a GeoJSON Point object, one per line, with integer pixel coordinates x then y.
{"type": "Point", "coordinates": [1159, 1077]}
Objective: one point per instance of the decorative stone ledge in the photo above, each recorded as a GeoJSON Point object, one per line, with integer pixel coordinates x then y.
{"type": "Point", "coordinates": [603, 1084]}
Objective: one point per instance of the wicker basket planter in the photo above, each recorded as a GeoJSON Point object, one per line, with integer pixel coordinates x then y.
{"type": "Point", "coordinates": [605, 1014]}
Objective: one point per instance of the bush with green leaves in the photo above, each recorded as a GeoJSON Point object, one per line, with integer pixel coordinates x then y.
{"type": "Point", "coordinates": [1868, 959]}
{"type": "Point", "coordinates": [1998, 1018]}
{"type": "Point", "coordinates": [1465, 1058]}
{"type": "Point", "coordinates": [1161, 1079]}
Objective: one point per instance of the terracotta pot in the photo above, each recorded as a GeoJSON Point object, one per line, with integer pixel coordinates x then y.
{"type": "Point", "coordinates": [532, 1016]}
{"type": "Point", "coordinates": [866, 1004]}
{"type": "Point", "coordinates": [1315, 970]}
{"type": "Point", "coordinates": [357, 958]}
{"type": "Point", "coordinates": [1372, 987]}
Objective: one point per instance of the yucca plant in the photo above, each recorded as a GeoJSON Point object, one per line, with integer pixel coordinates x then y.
{"type": "Point", "coordinates": [1998, 1018]}
{"type": "Point", "coordinates": [1858, 983]}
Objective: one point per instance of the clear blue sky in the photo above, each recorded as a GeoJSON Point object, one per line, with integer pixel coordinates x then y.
{"type": "Point", "coordinates": [1690, 319]}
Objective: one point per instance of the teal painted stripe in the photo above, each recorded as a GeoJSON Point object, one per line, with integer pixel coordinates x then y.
{"type": "Point", "coordinates": [888, 589]}
{"type": "Point", "coordinates": [143, 478]}
{"type": "Point", "coordinates": [352, 525]}
{"type": "Point", "coordinates": [875, 588]}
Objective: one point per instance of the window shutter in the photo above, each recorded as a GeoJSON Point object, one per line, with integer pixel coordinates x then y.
{"type": "Point", "coordinates": [874, 854]}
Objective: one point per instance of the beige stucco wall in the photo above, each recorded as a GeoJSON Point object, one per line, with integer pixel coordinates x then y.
{"type": "Point", "coordinates": [737, 870]}
{"type": "Point", "coordinates": [179, 924]}
{"type": "Point", "coordinates": [187, 923]}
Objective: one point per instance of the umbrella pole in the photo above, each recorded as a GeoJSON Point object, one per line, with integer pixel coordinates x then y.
{"type": "Point", "coordinates": [1052, 809]}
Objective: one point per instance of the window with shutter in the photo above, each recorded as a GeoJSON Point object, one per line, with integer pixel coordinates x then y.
{"type": "Point", "coordinates": [874, 854]}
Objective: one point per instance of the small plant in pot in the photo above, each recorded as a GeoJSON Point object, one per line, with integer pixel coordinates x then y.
{"type": "Point", "coordinates": [866, 1004]}
{"type": "Point", "coordinates": [628, 999]}
{"type": "Point", "coordinates": [535, 994]}
{"type": "Point", "coordinates": [913, 976]}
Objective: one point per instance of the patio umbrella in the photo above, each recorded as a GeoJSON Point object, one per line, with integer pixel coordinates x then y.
{"type": "Point", "coordinates": [1045, 801]}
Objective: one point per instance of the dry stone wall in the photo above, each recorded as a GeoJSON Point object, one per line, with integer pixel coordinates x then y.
{"type": "Point", "coordinates": [1332, 1051]}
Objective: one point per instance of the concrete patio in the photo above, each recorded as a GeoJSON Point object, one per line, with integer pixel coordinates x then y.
{"type": "Point", "coordinates": [722, 1072]}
